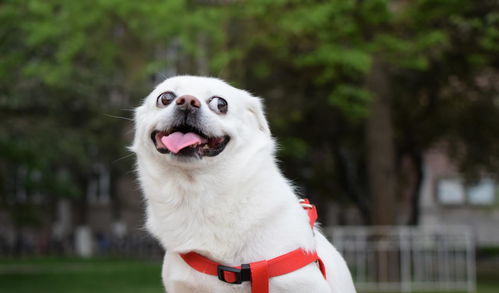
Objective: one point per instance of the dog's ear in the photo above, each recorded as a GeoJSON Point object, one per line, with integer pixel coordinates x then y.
{"type": "Point", "coordinates": [256, 109]}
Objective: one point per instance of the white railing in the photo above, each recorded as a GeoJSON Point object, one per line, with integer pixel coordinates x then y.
{"type": "Point", "coordinates": [408, 259]}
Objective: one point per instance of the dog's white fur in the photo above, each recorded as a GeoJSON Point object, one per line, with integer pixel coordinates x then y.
{"type": "Point", "coordinates": [233, 208]}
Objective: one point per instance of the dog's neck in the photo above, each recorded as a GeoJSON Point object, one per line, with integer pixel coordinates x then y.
{"type": "Point", "coordinates": [209, 186]}
{"type": "Point", "coordinates": [214, 212]}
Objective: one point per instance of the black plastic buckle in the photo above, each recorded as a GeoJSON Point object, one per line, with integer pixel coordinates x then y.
{"type": "Point", "coordinates": [243, 274]}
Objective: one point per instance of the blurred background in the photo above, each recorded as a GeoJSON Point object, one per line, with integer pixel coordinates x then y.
{"type": "Point", "coordinates": [386, 113]}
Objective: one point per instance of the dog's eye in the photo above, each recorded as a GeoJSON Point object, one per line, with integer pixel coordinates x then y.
{"type": "Point", "coordinates": [165, 99]}
{"type": "Point", "coordinates": [218, 105]}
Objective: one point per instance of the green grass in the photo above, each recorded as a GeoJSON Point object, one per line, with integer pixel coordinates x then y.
{"type": "Point", "coordinates": [487, 282]}
{"type": "Point", "coordinates": [488, 279]}
{"type": "Point", "coordinates": [69, 275]}
{"type": "Point", "coordinates": [79, 276]}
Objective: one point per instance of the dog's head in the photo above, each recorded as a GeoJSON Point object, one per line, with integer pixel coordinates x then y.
{"type": "Point", "coordinates": [192, 121]}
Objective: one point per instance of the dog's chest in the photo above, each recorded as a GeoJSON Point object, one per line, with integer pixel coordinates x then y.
{"type": "Point", "coordinates": [197, 227]}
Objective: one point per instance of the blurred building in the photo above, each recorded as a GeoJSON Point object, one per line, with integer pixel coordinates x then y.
{"type": "Point", "coordinates": [101, 224]}
{"type": "Point", "coordinates": [447, 199]}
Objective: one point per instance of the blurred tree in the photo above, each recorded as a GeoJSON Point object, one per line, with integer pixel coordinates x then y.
{"type": "Point", "coordinates": [411, 73]}
{"type": "Point", "coordinates": [356, 90]}
{"type": "Point", "coordinates": [68, 69]}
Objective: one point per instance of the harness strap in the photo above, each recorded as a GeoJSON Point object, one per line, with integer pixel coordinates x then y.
{"type": "Point", "coordinates": [260, 276]}
{"type": "Point", "coordinates": [259, 272]}
{"type": "Point", "coordinates": [311, 210]}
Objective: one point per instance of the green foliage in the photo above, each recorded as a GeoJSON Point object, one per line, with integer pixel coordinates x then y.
{"type": "Point", "coordinates": [67, 66]}
{"type": "Point", "coordinates": [318, 55]}
{"type": "Point", "coordinates": [350, 99]}
{"type": "Point", "coordinates": [294, 147]}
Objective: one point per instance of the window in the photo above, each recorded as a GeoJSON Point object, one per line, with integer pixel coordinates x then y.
{"type": "Point", "coordinates": [452, 191]}
{"type": "Point", "coordinates": [99, 185]}
{"type": "Point", "coordinates": [482, 193]}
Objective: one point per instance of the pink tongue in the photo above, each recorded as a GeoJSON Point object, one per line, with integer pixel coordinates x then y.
{"type": "Point", "coordinates": [178, 141]}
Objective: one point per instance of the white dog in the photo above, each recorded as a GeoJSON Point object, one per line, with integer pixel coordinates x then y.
{"type": "Point", "coordinates": [207, 168]}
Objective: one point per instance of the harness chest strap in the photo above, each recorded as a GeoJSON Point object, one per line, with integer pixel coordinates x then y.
{"type": "Point", "coordinates": [259, 272]}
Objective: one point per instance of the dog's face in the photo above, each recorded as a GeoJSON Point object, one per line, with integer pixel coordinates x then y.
{"type": "Point", "coordinates": [189, 121]}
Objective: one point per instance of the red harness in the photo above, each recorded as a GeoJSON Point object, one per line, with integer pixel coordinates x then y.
{"type": "Point", "coordinates": [259, 272]}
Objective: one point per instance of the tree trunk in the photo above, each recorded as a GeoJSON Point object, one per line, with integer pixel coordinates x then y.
{"type": "Point", "coordinates": [81, 204]}
{"type": "Point", "coordinates": [380, 148]}
{"type": "Point", "coordinates": [417, 159]}
{"type": "Point", "coordinates": [349, 183]}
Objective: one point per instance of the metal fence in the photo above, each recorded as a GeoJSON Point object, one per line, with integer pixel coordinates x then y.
{"type": "Point", "coordinates": [140, 246]}
{"type": "Point", "coordinates": [408, 259]}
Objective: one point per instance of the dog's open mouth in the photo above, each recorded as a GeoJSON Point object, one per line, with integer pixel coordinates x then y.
{"type": "Point", "coordinates": [186, 140]}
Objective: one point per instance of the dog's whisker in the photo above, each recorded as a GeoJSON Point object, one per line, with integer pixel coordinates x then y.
{"type": "Point", "coordinates": [131, 172]}
{"type": "Point", "coordinates": [118, 117]}
{"type": "Point", "coordinates": [122, 158]}
{"type": "Point", "coordinates": [128, 110]}
{"type": "Point", "coordinates": [162, 75]}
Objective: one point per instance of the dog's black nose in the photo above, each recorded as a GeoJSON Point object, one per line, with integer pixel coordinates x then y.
{"type": "Point", "coordinates": [188, 103]}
